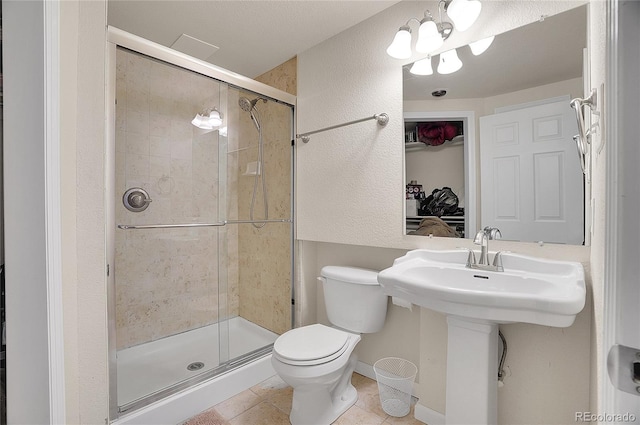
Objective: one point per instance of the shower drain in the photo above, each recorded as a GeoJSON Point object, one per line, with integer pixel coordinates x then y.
{"type": "Point", "coordinates": [195, 366]}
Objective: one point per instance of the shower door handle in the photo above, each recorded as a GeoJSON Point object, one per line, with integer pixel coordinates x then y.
{"type": "Point", "coordinates": [168, 226]}
{"type": "Point", "coordinates": [218, 224]}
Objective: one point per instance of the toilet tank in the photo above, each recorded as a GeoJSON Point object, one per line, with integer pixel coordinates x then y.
{"type": "Point", "coordinates": [353, 298]}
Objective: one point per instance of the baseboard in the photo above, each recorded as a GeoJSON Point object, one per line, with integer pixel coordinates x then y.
{"type": "Point", "coordinates": [428, 416]}
{"type": "Point", "coordinates": [366, 370]}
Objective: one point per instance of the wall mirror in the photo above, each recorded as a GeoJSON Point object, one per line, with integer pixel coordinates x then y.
{"type": "Point", "coordinates": [497, 149]}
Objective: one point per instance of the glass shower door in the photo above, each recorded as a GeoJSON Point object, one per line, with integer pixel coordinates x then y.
{"type": "Point", "coordinates": [256, 164]}
{"type": "Point", "coordinates": [166, 197]}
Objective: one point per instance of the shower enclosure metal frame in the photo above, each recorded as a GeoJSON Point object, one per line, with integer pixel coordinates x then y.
{"type": "Point", "coordinates": [118, 38]}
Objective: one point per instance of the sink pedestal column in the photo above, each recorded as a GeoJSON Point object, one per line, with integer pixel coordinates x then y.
{"type": "Point", "coordinates": [472, 372]}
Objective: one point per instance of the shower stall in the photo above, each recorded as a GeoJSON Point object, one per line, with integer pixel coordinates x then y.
{"type": "Point", "coordinates": [200, 230]}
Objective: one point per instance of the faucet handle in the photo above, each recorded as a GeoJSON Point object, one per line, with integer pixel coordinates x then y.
{"type": "Point", "coordinates": [497, 261]}
{"type": "Point", "coordinates": [471, 258]}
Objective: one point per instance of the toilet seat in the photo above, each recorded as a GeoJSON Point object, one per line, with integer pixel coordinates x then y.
{"type": "Point", "coordinates": [311, 345]}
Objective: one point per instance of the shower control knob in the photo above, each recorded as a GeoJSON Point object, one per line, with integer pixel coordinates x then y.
{"type": "Point", "coordinates": [136, 199]}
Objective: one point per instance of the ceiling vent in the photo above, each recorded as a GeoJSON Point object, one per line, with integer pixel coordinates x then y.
{"type": "Point", "coordinates": [194, 47]}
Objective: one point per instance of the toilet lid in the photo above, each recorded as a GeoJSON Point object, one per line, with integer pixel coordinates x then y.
{"type": "Point", "coordinates": [310, 343]}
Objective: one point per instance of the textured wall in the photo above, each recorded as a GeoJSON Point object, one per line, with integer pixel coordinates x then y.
{"type": "Point", "coordinates": [91, 297]}
{"type": "Point", "coordinates": [68, 123]}
{"type": "Point", "coordinates": [598, 28]}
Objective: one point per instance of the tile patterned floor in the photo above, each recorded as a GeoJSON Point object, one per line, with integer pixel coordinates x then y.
{"type": "Point", "coordinates": [269, 403]}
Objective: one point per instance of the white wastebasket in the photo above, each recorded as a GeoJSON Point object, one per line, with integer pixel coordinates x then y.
{"type": "Point", "coordinates": [395, 378]}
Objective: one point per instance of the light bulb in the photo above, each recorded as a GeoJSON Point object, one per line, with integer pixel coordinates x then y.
{"type": "Point", "coordinates": [480, 46]}
{"type": "Point", "coordinates": [215, 119]}
{"type": "Point", "coordinates": [198, 120]}
{"type": "Point", "coordinates": [208, 119]}
{"type": "Point", "coordinates": [464, 13]}
{"type": "Point", "coordinates": [422, 67]}
{"type": "Point", "coordinates": [429, 39]}
{"type": "Point", "coordinates": [400, 47]}
{"type": "Point", "coordinates": [449, 62]}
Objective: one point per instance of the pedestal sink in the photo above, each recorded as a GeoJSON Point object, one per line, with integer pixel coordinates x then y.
{"type": "Point", "coordinates": [529, 290]}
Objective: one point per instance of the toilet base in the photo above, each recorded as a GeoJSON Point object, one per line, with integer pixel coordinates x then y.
{"type": "Point", "coordinates": [315, 405]}
{"type": "Point", "coordinates": [324, 410]}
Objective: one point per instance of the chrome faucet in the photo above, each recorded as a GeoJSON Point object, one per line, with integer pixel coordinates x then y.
{"type": "Point", "coordinates": [482, 238]}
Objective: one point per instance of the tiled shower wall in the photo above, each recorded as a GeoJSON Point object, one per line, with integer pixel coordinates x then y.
{"type": "Point", "coordinates": [265, 254]}
{"type": "Point", "coordinates": [166, 279]}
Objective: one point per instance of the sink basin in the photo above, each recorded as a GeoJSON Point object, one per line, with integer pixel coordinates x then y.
{"type": "Point", "coordinates": [529, 290]}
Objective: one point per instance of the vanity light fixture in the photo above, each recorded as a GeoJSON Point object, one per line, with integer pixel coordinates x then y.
{"type": "Point", "coordinates": [422, 67]}
{"type": "Point", "coordinates": [480, 46]}
{"type": "Point", "coordinates": [464, 13]}
{"type": "Point", "coordinates": [432, 34]}
{"type": "Point", "coordinates": [208, 119]}
{"type": "Point", "coordinates": [449, 62]}
{"type": "Point", "coordinates": [400, 47]}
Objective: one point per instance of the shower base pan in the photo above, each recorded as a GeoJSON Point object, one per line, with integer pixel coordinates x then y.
{"type": "Point", "coordinates": [147, 369]}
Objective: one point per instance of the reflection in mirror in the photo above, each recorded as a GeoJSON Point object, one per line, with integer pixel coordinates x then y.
{"type": "Point", "coordinates": [497, 148]}
{"type": "Point", "coordinates": [436, 154]}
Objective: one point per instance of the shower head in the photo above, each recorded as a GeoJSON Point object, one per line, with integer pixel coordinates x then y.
{"type": "Point", "coordinates": [247, 105]}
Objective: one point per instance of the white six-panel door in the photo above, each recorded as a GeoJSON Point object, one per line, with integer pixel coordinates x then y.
{"type": "Point", "coordinates": [531, 179]}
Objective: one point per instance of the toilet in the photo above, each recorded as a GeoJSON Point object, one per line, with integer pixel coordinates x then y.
{"type": "Point", "coordinates": [318, 360]}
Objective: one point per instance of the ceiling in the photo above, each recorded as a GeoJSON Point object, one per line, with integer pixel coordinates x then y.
{"type": "Point", "coordinates": [253, 36]}
{"type": "Point", "coordinates": [540, 53]}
